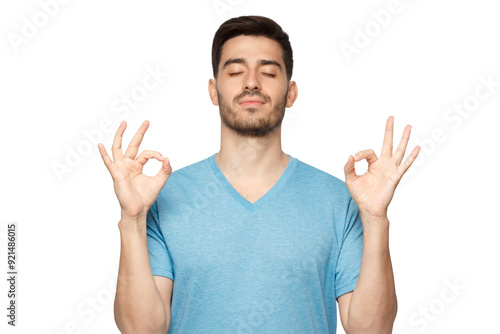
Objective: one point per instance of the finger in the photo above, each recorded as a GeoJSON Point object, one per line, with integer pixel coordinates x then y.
{"type": "Point", "coordinates": [110, 165]}
{"type": "Point", "coordinates": [164, 172]}
{"type": "Point", "coordinates": [400, 151]}
{"type": "Point", "coordinates": [387, 146]}
{"type": "Point", "coordinates": [349, 170]}
{"type": "Point", "coordinates": [146, 155]}
{"type": "Point", "coordinates": [116, 149]}
{"type": "Point", "coordinates": [407, 163]}
{"type": "Point", "coordinates": [133, 147]}
{"type": "Point", "coordinates": [369, 155]}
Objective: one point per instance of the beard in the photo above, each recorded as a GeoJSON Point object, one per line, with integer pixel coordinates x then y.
{"type": "Point", "coordinates": [251, 125]}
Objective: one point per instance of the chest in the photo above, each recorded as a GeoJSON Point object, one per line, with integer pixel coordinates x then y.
{"type": "Point", "coordinates": [235, 244]}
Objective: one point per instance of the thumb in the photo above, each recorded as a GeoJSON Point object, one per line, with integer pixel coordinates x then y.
{"type": "Point", "coordinates": [164, 172]}
{"type": "Point", "coordinates": [349, 170]}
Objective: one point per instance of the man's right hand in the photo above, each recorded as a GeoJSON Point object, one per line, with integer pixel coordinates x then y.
{"type": "Point", "coordinates": [135, 191]}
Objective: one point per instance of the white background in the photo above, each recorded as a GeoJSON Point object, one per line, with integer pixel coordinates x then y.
{"type": "Point", "coordinates": [65, 78]}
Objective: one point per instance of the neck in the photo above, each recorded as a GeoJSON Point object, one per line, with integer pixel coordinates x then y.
{"type": "Point", "coordinates": [251, 159]}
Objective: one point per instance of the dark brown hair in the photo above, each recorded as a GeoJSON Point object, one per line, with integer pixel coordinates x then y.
{"type": "Point", "coordinates": [251, 26]}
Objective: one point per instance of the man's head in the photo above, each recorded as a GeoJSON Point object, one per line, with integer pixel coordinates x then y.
{"type": "Point", "coordinates": [251, 26]}
{"type": "Point", "coordinates": [252, 63]}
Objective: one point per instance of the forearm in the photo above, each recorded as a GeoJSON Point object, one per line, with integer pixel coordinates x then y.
{"type": "Point", "coordinates": [373, 304]}
{"type": "Point", "coordinates": [138, 306]}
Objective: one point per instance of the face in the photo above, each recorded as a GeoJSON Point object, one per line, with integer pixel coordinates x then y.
{"type": "Point", "coordinates": [252, 89]}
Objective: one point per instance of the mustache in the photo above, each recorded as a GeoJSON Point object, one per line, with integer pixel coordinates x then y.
{"type": "Point", "coordinates": [247, 93]}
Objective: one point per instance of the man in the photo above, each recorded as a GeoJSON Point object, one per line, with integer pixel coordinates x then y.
{"type": "Point", "coordinates": [250, 239]}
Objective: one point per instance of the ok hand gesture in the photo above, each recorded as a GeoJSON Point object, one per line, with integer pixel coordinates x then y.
{"type": "Point", "coordinates": [373, 191]}
{"type": "Point", "coordinates": [135, 191]}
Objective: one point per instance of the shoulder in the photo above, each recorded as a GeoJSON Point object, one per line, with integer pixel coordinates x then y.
{"type": "Point", "coordinates": [320, 179]}
{"type": "Point", "coordinates": [195, 169]}
{"type": "Point", "coordinates": [322, 192]}
{"type": "Point", "coordinates": [187, 179]}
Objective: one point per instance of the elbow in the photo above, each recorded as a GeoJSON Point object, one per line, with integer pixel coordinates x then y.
{"type": "Point", "coordinates": [129, 327]}
{"type": "Point", "coordinates": [371, 328]}
{"type": "Point", "coordinates": [382, 323]}
{"type": "Point", "coordinates": [133, 324]}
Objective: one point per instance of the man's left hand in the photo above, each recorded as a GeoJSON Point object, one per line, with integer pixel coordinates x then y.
{"type": "Point", "coordinates": [373, 190]}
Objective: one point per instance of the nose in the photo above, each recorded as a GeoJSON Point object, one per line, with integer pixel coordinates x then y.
{"type": "Point", "coordinates": [251, 81]}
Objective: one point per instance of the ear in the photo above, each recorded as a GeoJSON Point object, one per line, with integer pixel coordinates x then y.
{"type": "Point", "coordinates": [212, 91]}
{"type": "Point", "coordinates": [292, 94]}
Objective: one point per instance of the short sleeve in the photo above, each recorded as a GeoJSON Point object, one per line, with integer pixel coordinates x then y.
{"type": "Point", "coordinates": [350, 253]}
{"type": "Point", "coordinates": [159, 257]}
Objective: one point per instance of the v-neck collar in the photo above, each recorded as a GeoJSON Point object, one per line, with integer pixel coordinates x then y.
{"type": "Point", "coordinates": [264, 198]}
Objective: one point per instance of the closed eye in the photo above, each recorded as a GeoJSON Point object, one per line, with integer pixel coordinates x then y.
{"type": "Point", "coordinates": [237, 73]}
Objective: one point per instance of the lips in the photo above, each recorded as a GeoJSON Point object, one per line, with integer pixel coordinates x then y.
{"type": "Point", "coordinates": [251, 102]}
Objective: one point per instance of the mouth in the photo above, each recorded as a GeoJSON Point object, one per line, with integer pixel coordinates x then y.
{"type": "Point", "coordinates": [251, 103]}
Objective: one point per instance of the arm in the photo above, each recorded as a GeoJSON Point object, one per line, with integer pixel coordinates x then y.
{"type": "Point", "coordinates": [142, 302]}
{"type": "Point", "coordinates": [139, 306]}
{"type": "Point", "coordinates": [371, 307]}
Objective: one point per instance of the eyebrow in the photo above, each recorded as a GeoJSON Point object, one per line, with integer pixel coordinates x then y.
{"type": "Point", "coordinates": [243, 61]}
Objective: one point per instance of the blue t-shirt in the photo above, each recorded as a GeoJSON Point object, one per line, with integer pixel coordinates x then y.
{"type": "Point", "coordinates": [273, 266]}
